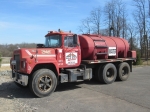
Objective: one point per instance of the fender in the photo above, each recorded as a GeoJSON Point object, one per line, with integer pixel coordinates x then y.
{"type": "Point", "coordinates": [31, 66]}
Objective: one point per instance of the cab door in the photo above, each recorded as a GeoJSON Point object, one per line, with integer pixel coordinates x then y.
{"type": "Point", "coordinates": [72, 52]}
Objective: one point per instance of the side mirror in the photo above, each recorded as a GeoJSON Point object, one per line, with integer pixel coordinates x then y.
{"type": "Point", "coordinates": [75, 39]}
{"type": "Point", "coordinates": [40, 45]}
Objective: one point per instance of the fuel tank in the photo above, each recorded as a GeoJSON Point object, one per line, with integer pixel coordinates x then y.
{"type": "Point", "coordinates": [102, 47]}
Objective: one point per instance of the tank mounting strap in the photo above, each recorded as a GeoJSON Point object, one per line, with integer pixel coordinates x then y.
{"type": "Point", "coordinates": [101, 46]}
{"type": "Point", "coordinates": [99, 40]}
{"type": "Point", "coordinates": [101, 53]}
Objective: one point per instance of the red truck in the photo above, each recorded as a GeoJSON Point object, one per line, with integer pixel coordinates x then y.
{"type": "Point", "coordinates": [67, 57]}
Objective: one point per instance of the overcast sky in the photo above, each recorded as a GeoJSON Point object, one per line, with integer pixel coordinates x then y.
{"type": "Point", "coordinates": [29, 20]}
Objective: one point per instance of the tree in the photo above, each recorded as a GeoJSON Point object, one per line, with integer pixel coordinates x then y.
{"type": "Point", "coordinates": [133, 43]}
{"type": "Point", "coordinates": [92, 23]}
{"type": "Point", "coordinates": [115, 18]}
{"type": "Point", "coordinates": [86, 26]}
{"type": "Point", "coordinates": [0, 59]}
{"type": "Point", "coordinates": [138, 60]}
{"type": "Point", "coordinates": [142, 20]}
{"type": "Point", "coordinates": [96, 19]}
{"type": "Point", "coordinates": [132, 36]}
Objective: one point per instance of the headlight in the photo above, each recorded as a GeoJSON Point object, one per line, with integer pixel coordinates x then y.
{"type": "Point", "coordinates": [13, 62]}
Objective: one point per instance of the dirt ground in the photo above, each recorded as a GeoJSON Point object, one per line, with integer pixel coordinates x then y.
{"type": "Point", "coordinates": [5, 68]}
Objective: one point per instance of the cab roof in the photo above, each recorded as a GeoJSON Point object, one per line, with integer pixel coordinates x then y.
{"type": "Point", "coordinates": [58, 32]}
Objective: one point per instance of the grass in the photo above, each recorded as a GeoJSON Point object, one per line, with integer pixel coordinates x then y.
{"type": "Point", "coordinates": [146, 62]}
{"type": "Point", "coordinates": [5, 60]}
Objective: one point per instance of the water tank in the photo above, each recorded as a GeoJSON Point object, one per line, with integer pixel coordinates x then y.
{"type": "Point", "coordinates": [102, 47]}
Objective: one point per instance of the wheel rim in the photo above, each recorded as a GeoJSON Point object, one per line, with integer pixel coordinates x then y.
{"type": "Point", "coordinates": [110, 74]}
{"type": "Point", "coordinates": [45, 83]}
{"type": "Point", "coordinates": [125, 71]}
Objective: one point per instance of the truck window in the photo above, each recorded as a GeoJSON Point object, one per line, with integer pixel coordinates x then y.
{"type": "Point", "coordinates": [68, 41]}
{"type": "Point", "coordinates": [53, 41]}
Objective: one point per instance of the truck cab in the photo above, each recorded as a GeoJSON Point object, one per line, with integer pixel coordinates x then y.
{"type": "Point", "coordinates": [67, 49]}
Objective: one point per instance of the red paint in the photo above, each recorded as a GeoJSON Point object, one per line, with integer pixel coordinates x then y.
{"type": "Point", "coordinates": [89, 50]}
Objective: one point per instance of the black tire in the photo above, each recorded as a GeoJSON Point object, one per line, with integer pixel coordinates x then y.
{"type": "Point", "coordinates": [108, 73]}
{"type": "Point", "coordinates": [123, 71]}
{"type": "Point", "coordinates": [43, 82]}
{"type": "Point", "coordinates": [19, 85]}
{"type": "Point", "coordinates": [97, 73]}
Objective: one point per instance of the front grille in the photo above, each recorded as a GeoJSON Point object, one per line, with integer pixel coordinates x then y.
{"type": "Point", "coordinates": [17, 58]}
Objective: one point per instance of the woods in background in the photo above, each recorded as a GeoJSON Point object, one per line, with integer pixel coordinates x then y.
{"type": "Point", "coordinates": [6, 50]}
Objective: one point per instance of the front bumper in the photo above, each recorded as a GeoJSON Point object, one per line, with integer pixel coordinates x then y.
{"type": "Point", "coordinates": [20, 78]}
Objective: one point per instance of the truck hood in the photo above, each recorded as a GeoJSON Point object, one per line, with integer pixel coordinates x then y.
{"type": "Point", "coordinates": [39, 52]}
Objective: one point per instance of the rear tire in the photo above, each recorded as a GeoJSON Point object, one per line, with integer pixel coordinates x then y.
{"type": "Point", "coordinates": [108, 73]}
{"type": "Point", "coordinates": [43, 82]}
{"type": "Point", "coordinates": [98, 73]}
{"type": "Point", "coordinates": [123, 71]}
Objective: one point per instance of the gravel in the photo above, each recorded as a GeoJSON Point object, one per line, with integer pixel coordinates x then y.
{"type": "Point", "coordinates": [8, 101]}
{"type": "Point", "coordinates": [5, 73]}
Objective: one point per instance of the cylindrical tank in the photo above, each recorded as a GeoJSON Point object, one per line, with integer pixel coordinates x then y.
{"type": "Point", "coordinates": [101, 47]}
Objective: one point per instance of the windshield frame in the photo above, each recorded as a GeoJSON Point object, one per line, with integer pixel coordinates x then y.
{"type": "Point", "coordinates": [47, 45]}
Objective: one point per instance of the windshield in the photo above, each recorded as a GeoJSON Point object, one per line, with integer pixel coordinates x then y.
{"type": "Point", "coordinates": [53, 41]}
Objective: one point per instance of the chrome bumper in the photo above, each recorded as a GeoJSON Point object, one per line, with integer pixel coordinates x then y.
{"type": "Point", "coordinates": [20, 78]}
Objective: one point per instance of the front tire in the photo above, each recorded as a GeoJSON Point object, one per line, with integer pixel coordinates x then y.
{"type": "Point", "coordinates": [43, 82]}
